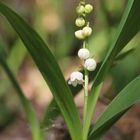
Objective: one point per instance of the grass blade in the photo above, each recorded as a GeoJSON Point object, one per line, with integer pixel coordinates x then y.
{"type": "Point", "coordinates": [49, 69]}
{"type": "Point", "coordinates": [129, 96]}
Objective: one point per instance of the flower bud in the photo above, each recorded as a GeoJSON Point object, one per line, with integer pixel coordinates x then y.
{"type": "Point", "coordinates": [80, 22]}
{"type": "Point", "coordinates": [83, 53]}
{"type": "Point", "coordinates": [90, 64]}
{"type": "Point", "coordinates": [88, 8]}
{"type": "Point", "coordinates": [79, 34]}
{"type": "Point", "coordinates": [80, 10]}
{"type": "Point", "coordinates": [87, 31]}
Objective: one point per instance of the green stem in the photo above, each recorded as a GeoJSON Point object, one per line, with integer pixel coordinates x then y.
{"type": "Point", "coordinates": [34, 124]}
{"type": "Point", "coordinates": [84, 44]}
{"type": "Point", "coordinates": [85, 104]}
{"type": "Point", "coordinates": [83, 0]}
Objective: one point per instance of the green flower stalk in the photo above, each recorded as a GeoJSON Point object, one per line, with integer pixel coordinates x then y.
{"type": "Point", "coordinates": [89, 64]}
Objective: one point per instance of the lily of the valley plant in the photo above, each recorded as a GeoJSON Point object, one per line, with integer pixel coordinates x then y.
{"type": "Point", "coordinates": [64, 91]}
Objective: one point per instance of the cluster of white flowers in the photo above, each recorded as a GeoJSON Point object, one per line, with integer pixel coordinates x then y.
{"type": "Point", "coordinates": [84, 54]}
{"type": "Point", "coordinates": [89, 63]}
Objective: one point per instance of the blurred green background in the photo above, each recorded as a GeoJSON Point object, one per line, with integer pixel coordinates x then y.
{"type": "Point", "coordinates": [54, 21]}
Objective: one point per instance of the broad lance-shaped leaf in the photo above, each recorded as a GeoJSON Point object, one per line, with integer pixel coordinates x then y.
{"type": "Point", "coordinates": [49, 69]}
{"type": "Point", "coordinates": [29, 111]}
{"type": "Point", "coordinates": [128, 28]}
{"type": "Point", "coordinates": [125, 54]}
{"type": "Point", "coordinates": [129, 96]}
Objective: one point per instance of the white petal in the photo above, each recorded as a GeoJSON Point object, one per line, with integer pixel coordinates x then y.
{"type": "Point", "coordinates": [80, 82]}
{"type": "Point", "coordinates": [74, 83]}
{"type": "Point", "coordinates": [69, 82]}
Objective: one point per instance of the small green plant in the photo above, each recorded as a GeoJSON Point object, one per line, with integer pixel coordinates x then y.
{"type": "Point", "coordinates": [63, 93]}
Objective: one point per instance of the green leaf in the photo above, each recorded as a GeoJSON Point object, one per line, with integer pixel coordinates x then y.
{"type": "Point", "coordinates": [16, 56]}
{"type": "Point", "coordinates": [49, 69]}
{"type": "Point", "coordinates": [129, 96]}
{"type": "Point", "coordinates": [125, 54]}
{"type": "Point", "coordinates": [128, 28]}
{"type": "Point", "coordinates": [53, 111]}
{"type": "Point", "coordinates": [31, 115]}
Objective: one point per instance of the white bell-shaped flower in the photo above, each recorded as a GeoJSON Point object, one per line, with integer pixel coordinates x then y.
{"type": "Point", "coordinates": [83, 53]}
{"type": "Point", "coordinates": [90, 64]}
{"type": "Point", "coordinates": [76, 78]}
